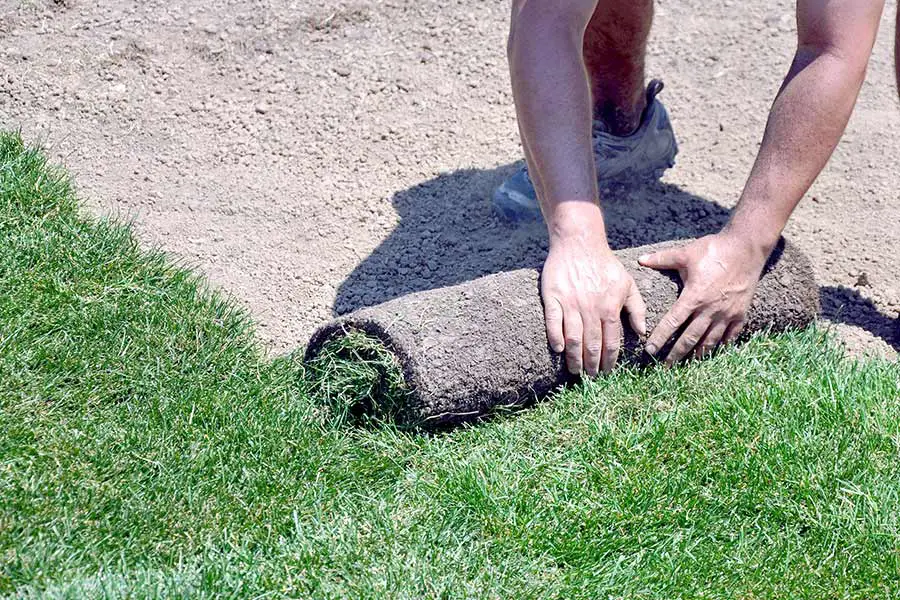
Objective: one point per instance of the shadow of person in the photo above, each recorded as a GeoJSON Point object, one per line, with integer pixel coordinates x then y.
{"type": "Point", "coordinates": [845, 305]}
{"type": "Point", "coordinates": [449, 233]}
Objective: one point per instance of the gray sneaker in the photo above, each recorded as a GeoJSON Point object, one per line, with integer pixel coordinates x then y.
{"type": "Point", "coordinates": [641, 156]}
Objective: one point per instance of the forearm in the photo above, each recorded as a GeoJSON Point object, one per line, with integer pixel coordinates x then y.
{"type": "Point", "coordinates": [553, 106]}
{"type": "Point", "coordinates": [807, 119]}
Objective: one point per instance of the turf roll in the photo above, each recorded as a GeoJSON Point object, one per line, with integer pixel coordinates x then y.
{"type": "Point", "coordinates": [443, 356]}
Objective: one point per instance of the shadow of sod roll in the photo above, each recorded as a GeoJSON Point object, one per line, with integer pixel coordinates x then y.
{"type": "Point", "coordinates": [444, 356]}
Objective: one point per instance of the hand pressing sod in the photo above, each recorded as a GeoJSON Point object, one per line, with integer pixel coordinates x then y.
{"type": "Point", "coordinates": [584, 288]}
{"type": "Point", "coordinates": [720, 273]}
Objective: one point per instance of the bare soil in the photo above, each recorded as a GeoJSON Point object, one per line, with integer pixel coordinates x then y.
{"type": "Point", "coordinates": [314, 157]}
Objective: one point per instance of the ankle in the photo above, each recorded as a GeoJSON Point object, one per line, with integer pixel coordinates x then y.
{"type": "Point", "coordinates": [621, 119]}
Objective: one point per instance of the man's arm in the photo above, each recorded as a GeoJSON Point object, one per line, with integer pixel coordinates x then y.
{"type": "Point", "coordinates": [552, 98]}
{"type": "Point", "coordinates": [808, 117]}
{"type": "Point", "coordinates": [583, 285]}
{"type": "Point", "coordinates": [810, 113]}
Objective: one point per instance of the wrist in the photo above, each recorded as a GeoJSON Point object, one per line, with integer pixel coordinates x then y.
{"type": "Point", "coordinates": [575, 219]}
{"type": "Point", "coordinates": [757, 241]}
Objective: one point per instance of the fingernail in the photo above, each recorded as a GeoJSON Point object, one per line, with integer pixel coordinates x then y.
{"type": "Point", "coordinates": [643, 257]}
{"type": "Point", "coordinates": [558, 348]}
{"type": "Point", "coordinates": [650, 349]}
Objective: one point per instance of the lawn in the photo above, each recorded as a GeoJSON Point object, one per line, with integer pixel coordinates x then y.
{"type": "Point", "coordinates": [149, 448]}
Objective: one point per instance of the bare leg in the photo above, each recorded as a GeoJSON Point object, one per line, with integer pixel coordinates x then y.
{"type": "Point", "coordinates": [615, 44]}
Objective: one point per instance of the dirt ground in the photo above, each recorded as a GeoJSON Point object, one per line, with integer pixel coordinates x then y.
{"type": "Point", "coordinates": [312, 157]}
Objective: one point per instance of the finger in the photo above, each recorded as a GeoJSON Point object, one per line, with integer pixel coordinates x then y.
{"type": "Point", "coordinates": [612, 341]}
{"type": "Point", "coordinates": [733, 331]}
{"type": "Point", "coordinates": [637, 310]}
{"type": "Point", "coordinates": [710, 339]}
{"type": "Point", "coordinates": [553, 317]}
{"type": "Point", "coordinates": [574, 330]}
{"type": "Point", "coordinates": [673, 258]}
{"type": "Point", "coordinates": [593, 345]}
{"type": "Point", "coordinates": [668, 325]}
{"type": "Point", "coordinates": [688, 340]}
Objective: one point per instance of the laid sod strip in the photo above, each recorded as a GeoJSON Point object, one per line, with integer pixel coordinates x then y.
{"type": "Point", "coordinates": [467, 350]}
{"type": "Point", "coordinates": [149, 450]}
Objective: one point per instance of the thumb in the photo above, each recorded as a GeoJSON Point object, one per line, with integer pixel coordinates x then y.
{"type": "Point", "coordinates": [673, 259]}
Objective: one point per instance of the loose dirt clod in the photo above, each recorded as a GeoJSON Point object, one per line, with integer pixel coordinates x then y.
{"type": "Point", "coordinates": [470, 349]}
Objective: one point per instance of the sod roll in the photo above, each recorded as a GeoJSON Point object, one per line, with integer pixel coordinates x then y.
{"type": "Point", "coordinates": [470, 349]}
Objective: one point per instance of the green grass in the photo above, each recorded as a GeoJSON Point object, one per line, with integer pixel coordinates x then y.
{"type": "Point", "coordinates": [149, 449]}
{"type": "Point", "coordinates": [359, 381]}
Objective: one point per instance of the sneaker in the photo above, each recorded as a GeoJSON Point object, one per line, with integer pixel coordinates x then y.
{"type": "Point", "coordinates": [641, 156]}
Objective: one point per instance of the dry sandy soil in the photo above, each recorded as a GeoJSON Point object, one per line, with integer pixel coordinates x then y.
{"type": "Point", "coordinates": [311, 157]}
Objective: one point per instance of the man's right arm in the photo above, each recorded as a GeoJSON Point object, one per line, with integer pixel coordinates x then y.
{"type": "Point", "coordinates": [583, 285]}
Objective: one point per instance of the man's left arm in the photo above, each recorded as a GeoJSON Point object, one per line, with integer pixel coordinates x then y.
{"type": "Point", "coordinates": [807, 119]}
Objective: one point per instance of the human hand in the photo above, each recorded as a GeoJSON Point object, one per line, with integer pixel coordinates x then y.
{"type": "Point", "coordinates": [720, 274]}
{"type": "Point", "coordinates": [584, 288]}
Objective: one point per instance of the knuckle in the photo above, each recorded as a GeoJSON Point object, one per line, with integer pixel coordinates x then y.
{"type": "Point", "coordinates": [690, 340]}
{"type": "Point", "coordinates": [609, 310]}
{"type": "Point", "coordinates": [608, 318]}
{"type": "Point", "coordinates": [695, 307]}
{"type": "Point", "coordinates": [569, 305]}
{"type": "Point", "coordinates": [693, 302]}
{"type": "Point", "coordinates": [573, 342]}
{"type": "Point", "coordinates": [671, 321]}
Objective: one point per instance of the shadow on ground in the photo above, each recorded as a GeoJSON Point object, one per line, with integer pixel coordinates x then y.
{"type": "Point", "coordinates": [846, 305]}
{"type": "Point", "coordinates": [448, 233]}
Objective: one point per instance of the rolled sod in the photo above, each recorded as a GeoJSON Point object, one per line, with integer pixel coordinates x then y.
{"type": "Point", "coordinates": [454, 354]}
